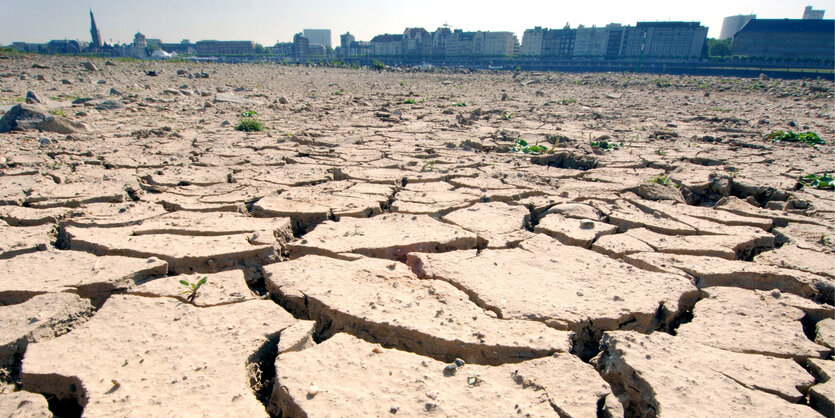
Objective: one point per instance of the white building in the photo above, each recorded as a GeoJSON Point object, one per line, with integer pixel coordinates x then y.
{"type": "Point", "coordinates": [732, 24]}
{"type": "Point", "coordinates": [318, 36]}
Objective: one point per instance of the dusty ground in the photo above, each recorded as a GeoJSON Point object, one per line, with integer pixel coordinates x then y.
{"type": "Point", "coordinates": [381, 251]}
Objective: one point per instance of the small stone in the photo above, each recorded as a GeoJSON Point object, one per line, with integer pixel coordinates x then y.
{"type": "Point", "coordinates": [394, 409]}
{"type": "Point", "coordinates": [775, 293]}
{"type": "Point", "coordinates": [312, 391]}
{"type": "Point", "coordinates": [459, 362]}
{"type": "Point", "coordinates": [450, 370]}
{"type": "Point", "coordinates": [586, 224]}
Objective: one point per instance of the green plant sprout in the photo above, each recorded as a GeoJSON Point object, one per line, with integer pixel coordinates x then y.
{"type": "Point", "coordinates": [662, 180]}
{"type": "Point", "coordinates": [660, 151]}
{"type": "Point", "coordinates": [507, 116]}
{"type": "Point", "coordinates": [521, 146]}
{"type": "Point", "coordinates": [193, 288]}
{"type": "Point", "coordinates": [409, 101]}
{"type": "Point", "coordinates": [459, 104]}
{"type": "Point", "coordinates": [606, 145]}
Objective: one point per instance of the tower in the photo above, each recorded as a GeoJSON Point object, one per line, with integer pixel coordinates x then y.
{"type": "Point", "coordinates": [94, 31]}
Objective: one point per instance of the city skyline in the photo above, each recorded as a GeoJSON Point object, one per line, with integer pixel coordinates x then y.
{"type": "Point", "coordinates": [43, 20]}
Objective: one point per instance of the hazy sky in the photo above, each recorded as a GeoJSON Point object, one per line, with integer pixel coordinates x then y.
{"type": "Point", "coordinates": [268, 21]}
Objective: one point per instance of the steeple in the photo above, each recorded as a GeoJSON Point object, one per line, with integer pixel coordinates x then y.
{"type": "Point", "coordinates": [94, 31]}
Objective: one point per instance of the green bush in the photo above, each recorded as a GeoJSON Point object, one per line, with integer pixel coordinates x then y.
{"type": "Point", "coordinates": [379, 65]}
{"type": "Point", "coordinates": [249, 123]}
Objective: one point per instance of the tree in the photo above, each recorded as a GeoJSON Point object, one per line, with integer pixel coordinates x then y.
{"type": "Point", "coordinates": [718, 47]}
{"type": "Point", "coordinates": [259, 49]}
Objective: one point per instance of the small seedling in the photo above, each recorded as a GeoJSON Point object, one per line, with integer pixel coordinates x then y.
{"type": "Point", "coordinates": [662, 180]}
{"type": "Point", "coordinates": [459, 104]}
{"type": "Point", "coordinates": [337, 93]}
{"type": "Point", "coordinates": [507, 116]}
{"type": "Point", "coordinates": [566, 101]}
{"type": "Point", "coordinates": [402, 84]}
{"type": "Point", "coordinates": [521, 146]}
{"type": "Point", "coordinates": [193, 288]}
{"type": "Point", "coordinates": [825, 240]}
{"type": "Point", "coordinates": [409, 101]}
{"type": "Point", "coordinates": [818, 181]}
{"type": "Point", "coordinates": [606, 145]}
{"type": "Point", "coordinates": [57, 112]}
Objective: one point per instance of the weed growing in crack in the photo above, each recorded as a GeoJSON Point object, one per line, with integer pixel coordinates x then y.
{"type": "Point", "coordinates": [193, 289]}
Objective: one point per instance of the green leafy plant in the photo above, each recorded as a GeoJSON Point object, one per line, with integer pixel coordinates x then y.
{"type": "Point", "coordinates": [660, 151]}
{"type": "Point", "coordinates": [522, 146]}
{"type": "Point", "coordinates": [606, 145]}
{"type": "Point", "coordinates": [824, 239]}
{"type": "Point", "coordinates": [249, 123]}
{"type": "Point", "coordinates": [507, 116]}
{"type": "Point", "coordinates": [566, 101]}
{"type": "Point", "coordinates": [459, 104]}
{"type": "Point", "coordinates": [57, 112]}
{"type": "Point", "coordinates": [379, 64]}
{"type": "Point", "coordinates": [810, 138]}
{"type": "Point", "coordinates": [818, 181]}
{"type": "Point", "coordinates": [337, 93]}
{"type": "Point", "coordinates": [402, 84]}
{"type": "Point", "coordinates": [409, 101]}
{"type": "Point", "coordinates": [193, 289]}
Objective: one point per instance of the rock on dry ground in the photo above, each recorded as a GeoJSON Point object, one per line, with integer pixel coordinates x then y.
{"type": "Point", "coordinates": [364, 242]}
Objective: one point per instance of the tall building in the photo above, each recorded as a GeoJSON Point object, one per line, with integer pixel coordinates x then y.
{"type": "Point", "coordinates": [94, 32]}
{"type": "Point", "coordinates": [532, 41]}
{"type": "Point", "coordinates": [346, 39]}
{"type": "Point", "coordinates": [665, 39]}
{"type": "Point", "coordinates": [318, 36]}
{"type": "Point", "coordinates": [732, 24]}
{"type": "Point", "coordinates": [786, 38]}
{"type": "Point", "coordinates": [813, 14]}
{"type": "Point", "coordinates": [301, 46]}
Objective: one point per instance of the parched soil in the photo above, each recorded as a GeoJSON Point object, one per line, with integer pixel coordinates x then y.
{"type": "Point", "coordinates": [428, 243]}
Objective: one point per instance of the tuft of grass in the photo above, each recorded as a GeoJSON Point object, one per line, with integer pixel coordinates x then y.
{"type": "Point", "coordinates": [249, 123]}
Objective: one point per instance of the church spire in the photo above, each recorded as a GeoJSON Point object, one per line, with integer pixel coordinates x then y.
{"type": "Point", "coordinates": [94, 31]}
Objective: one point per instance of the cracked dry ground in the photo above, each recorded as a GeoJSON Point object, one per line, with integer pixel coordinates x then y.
{"type": "Point", "coordinates": [370, 257]}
